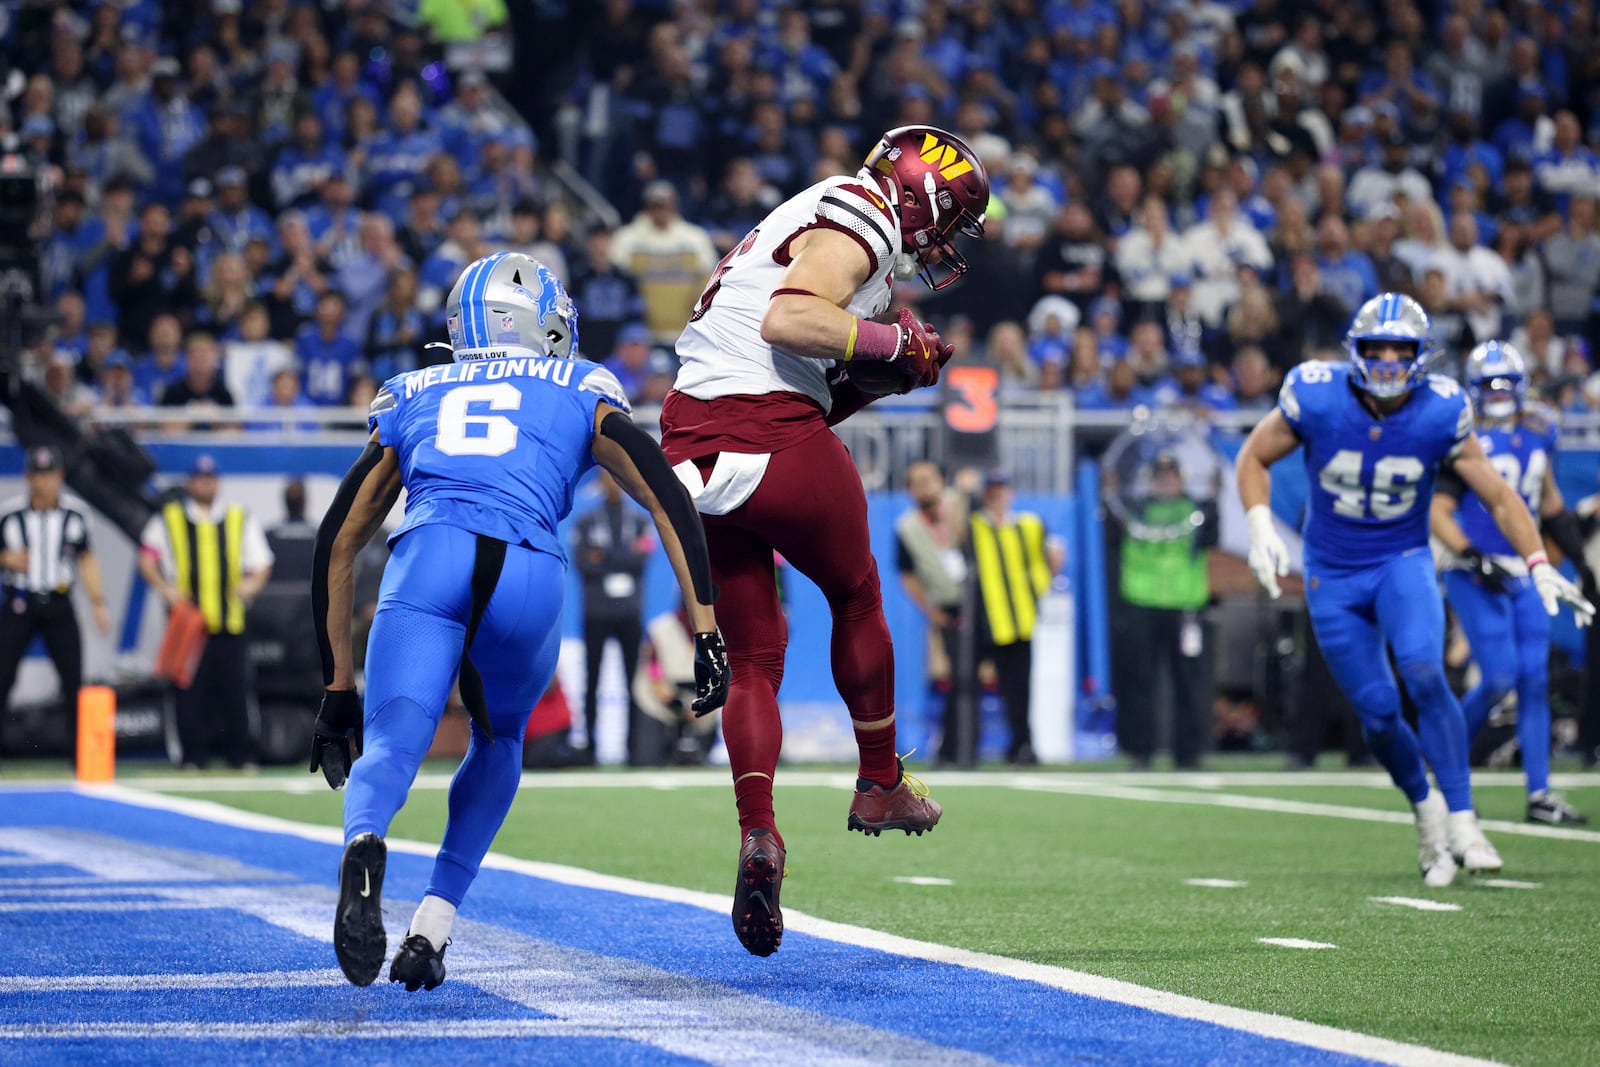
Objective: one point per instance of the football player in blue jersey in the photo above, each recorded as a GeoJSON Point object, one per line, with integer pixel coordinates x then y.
{"type": "Point", "coordinates": [1487, 582]}
{"type": "Point", "coordinates": [489, 449]}
{"type": "Point", "coordinates": [1374, 432]}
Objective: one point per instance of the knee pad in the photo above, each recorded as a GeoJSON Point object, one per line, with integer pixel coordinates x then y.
{"type": "Point", "coordinates": [1377, 705]}
{"type": "Point", "coordinates": [861, 601]}
{"type": "Point", "coordinates": [763, 664]}
{"type": "Point", "coordinates": [1426, 683]}
{"type": "Point", "coordinates": [400, 726]}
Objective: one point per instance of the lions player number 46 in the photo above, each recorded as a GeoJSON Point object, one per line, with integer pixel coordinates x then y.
{"type": "Point", "coordinates": [462, 432]}
{"type": "Point", "coordinates": [1394, 485]}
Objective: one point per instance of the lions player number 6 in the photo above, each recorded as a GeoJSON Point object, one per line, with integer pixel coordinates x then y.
{"type": "Point", "coordinates": [498, 434]}
{"type": "Point", "coordinates": [1394, 485]}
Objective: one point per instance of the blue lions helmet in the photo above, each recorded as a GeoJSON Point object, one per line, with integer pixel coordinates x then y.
{"type": "Point", "coordinates": [510, 304]}
{"type": "Point", "coordinates": [1497, 379]}
{"type": "Point", "coordinates": [1390, 317]}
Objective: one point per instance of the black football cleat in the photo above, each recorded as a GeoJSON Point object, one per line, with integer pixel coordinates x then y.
{"type": "Point", "coordinates": [756, 919]}
{"type": "Point", "coordinates": [1553, 809]}
{"type": "Point", "coordinates": [418, 964]}
{"type": "Point", "coordinates": [358, 936]}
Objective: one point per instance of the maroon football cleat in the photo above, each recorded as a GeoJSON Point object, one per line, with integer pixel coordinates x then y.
{"type": "Point", "coordinates": [907, 806]}
{"type": "Point", "coordinates": [756, 918]}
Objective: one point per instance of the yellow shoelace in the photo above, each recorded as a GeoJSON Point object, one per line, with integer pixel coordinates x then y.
{"type": "Point", "coordinates": [915, 784]}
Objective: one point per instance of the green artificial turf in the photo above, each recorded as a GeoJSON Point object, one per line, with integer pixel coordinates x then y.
{"type": "Point", "coordinates": [1097, 885]}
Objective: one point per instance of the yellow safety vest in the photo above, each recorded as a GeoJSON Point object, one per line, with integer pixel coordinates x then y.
{"type": "Point", "coordinates": [1012, 574]}
{"type": "Point", "coordinates": [207, 561]}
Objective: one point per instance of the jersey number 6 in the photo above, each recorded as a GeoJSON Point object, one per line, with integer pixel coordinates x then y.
{"type": "Point", "coordinates": [1394, 485]}
{"type": "Point", "coordinates": [461, 432]}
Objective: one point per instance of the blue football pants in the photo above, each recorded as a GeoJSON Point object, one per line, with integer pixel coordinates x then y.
{"type": "Point", "coordinates": [1396, 603]}
{"type": "Point", "coordinates": [1510, 637]}
{"type": "Point", "coordinates": [414, 653]}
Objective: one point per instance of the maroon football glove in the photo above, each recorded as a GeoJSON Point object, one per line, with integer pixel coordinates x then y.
{"type": "Point", "coordinates": [925, 352]}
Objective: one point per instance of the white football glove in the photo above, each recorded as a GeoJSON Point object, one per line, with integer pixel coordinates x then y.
{"type": "Point", "coordinates": [1269, 556]}
{"type": "Point", "coordinates": [1553, 589]}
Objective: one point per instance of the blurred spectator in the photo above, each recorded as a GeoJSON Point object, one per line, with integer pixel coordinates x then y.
{"type": "Point", "coordinates": [1118, 392]}
{"type": "Point", "coordinates": [612, 543]}
{"type": "Point", "coordinates": [363, 277]}
{"type": "Point", "coordinates": [1477, 281]}
{"type": "Point", "coordinates": [1393, 175]}
{"type": "Point", "coordinates": [1159, 625]}
{"type": "Point", "coordinates": [228, 291]}
{"type": "Point", "coordinates": [1521, 201]}
{"type": "Point", "coordinates": [1072, 260]}
{"type": "Point", "coordinates": [285, 395]}
{"type": "Point", "coordinates": [333, 220]}
{"type": "Point", "coordinates": [398, 330]}
{"type": "Point", "coordinates": [1381, 231]}
{"type": "Point", "coordinates": [1219, 248]}
{"type": "Point", "coordinates": [192, 228]}
{"type": "Point", "coordinates": [229, 142]}
{"type": "Point", "coordinates": [1347, 275]}
{"type": "Point", "coordinates": [304, 163]}
{"type": "Point", "coordinates": [1147, 259]}
{"type": "Point", "coordinates": [1030, 206]}
{"type": "Point", "coordinates": [1422, 238]}
{"type": "Point", "coordinates": [670, 257]}
{"type": "Point", "coordinates": [201, 387]}
{"type": "Point", "coordinates": [398, 154]}
{"type": "Point", "coordinates": [252, 358]}
{"type": "Point", "coordinates": [630, 361]}
{"type": "Point", "coordinates": [165, 125]}
{"type": "Point", "coordinates": [153, 276]}
{"type": "Point", "coordinates": [1308, 319]}
{"type": "Point", "coordinates": [73, 233]}
{"type": "Point", "coordinates": [327, 356]}
{"type": "Point", "coordinates": [1572, 266]}
{"type": "Point", "coordinates": [62, 386]}
{"type": "Point", "coordinates": [606, 293]}
{"type": "Point", "coordinates": [1253, 386]}
{"type": "Point", "coordinates": [1051, 324]}
{"type": "Point", "coordinates": [161, 363]}
{"type": "Point", "coordinates": [1008, 350]}
{"type": "Point", "coordinates": [554, 247]}
{"type": "Point", "coordinates": [440, 270]}
{"type": "Point", "coordinates": [1536, 339]}
{"type": "Point", "coordinates": [297, 279]}
{"type": "Point", "coordinates": [235, 219]}
{"type": "Point", "coordinates": [115, 383]}
{"type": "Point", "coordinates": [928, 558]}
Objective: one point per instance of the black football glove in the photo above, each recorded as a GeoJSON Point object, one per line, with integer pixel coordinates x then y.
{"type": "Point", "coordinates": [711, 674]}
{"type": "Point", "coordinates": [338, 724]}
{"type": "Point", "coordinates": [1489, 574]}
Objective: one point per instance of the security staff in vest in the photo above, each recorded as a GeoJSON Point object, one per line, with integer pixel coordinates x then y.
{"type": "Point", "coordinates": [1013, 566]}
{"type": "Point", "coordinates": [929, 557]}
{"type": "Point", "coordinates": [216, 557]}
{"type": "Point", "coordinates": [614, 541]}
{"type": "Point", "coordinates": [1159, 630]}
{"type": "Point", "coordinates": [44, 548]}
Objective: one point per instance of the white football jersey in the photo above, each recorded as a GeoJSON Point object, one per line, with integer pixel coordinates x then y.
{"type": "Point", "coordinates": [721, 349]}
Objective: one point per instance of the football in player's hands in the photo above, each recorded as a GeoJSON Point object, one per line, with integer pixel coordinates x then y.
{"type": "Point", "coordinates": [923, 355]}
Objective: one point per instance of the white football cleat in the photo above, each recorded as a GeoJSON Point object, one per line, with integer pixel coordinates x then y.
{"type": "Point", "coordinates": [1438, 866]}
{"type": "Point", "coordinates": [1470, 848]}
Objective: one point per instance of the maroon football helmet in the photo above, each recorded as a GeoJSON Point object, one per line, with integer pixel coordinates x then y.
{"type": "Point", "coordinates": [944, 189]}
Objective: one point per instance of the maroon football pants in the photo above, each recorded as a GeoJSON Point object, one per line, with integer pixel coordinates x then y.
{"type": "Point", "coordinates": [811, 509]}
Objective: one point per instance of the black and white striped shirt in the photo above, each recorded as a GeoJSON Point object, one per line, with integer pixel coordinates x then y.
{"type": "Point", "coordinates": [54, 539]}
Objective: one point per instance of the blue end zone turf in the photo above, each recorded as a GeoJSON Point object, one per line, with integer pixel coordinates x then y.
{"type": "Point", "coordinates": [218, 951]}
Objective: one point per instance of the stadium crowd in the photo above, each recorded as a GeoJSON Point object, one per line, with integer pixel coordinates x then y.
{"type": "Point", "coordinates": [265, 204]}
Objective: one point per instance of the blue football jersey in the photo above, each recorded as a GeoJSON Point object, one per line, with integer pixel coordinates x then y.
{"type": "Point", "coordinates": [1371, 479]}
{"type": "Point", "coordinates": [494, 446]}
{"type": "Point", "coordinates": [1522, 452]}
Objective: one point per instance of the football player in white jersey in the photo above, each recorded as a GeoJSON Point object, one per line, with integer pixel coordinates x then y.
{"type": "Point", "coordinates": [782, 345]}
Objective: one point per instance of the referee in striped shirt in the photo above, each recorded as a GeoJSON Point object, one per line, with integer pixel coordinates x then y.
{"type": "Point", "coordinates": [44, 549]}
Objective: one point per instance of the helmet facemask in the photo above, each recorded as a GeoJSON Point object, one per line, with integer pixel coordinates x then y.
{"type": "Point", "coordinates": [931, 246]}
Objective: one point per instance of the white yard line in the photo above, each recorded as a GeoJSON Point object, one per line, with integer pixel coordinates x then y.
{"type": "Point", "coordinates": [1419, 903]}
{"type": "Point", "coordinates": [1312, 1035]}
{"type": "Point", "coordinates": [922, 879]}
{"type": "Point", "coordinates": [1215, 883]}
{"type": "Point", "coordinates": [1079, 787]}
{"type": "Point", "coordinates": [1294, 942]}
{"type": "Point", "coordinates": [717, 778]}
{"type": "Point", "coordinates": [1508, 883]}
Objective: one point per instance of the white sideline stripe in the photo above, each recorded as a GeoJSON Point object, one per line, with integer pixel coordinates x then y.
{"type": "Point", "coordinates": [1215, 883]}
{"type": "Point", "coordinates": [101, 905]}
{"type": "Point", "coordinates": [297, 1029]}
{"type": "Point", "coordinates": [717, 778]}
{"type": "Point", "coordinates": [1508, 883]}
{"type": "Point", "coordinates": [1262, 1024]}
{"type": "Point", "coordinates": [1290, 807]}
{"type": "Point", "coordinates": [328, 976]}
{"type": "Point", "coordinates": [1417, 902]}
{"type": "Point", "coordinates": [922, 879]}
{"type": "Point", "coordinates": [1295, 942]}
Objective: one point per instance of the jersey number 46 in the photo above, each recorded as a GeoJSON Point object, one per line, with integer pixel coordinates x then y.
{"type": "Point", "coordinates": [1393, 491]}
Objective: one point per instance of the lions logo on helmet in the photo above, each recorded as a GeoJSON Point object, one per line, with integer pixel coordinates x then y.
{"type": "Point", "coordinates": [1390, 317]}
{"type": "Point", "coordinates": [1497, 379]}
{"type": "Point", "coordinates": [510, 304]}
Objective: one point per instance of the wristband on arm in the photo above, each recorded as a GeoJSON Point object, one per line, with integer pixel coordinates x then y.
{"type": "Point", "coordinates": [879, 341]}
